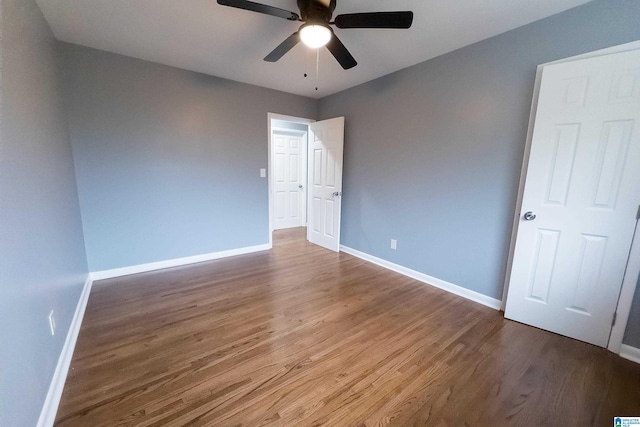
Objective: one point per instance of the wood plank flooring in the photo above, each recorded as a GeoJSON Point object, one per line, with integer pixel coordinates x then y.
{"type": "Point", "coordinates": [301, 336]}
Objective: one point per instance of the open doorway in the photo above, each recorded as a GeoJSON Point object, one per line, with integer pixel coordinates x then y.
{"type": "Point", "coordinates": [287, 172]}
{"type": "Point", "coordinates": [305, 177]}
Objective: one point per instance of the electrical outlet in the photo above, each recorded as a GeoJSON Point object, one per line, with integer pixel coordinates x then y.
{"type": "Point", "coordinates": [394, 244]}
{"type": "Point", "coordinates": [52, 323]}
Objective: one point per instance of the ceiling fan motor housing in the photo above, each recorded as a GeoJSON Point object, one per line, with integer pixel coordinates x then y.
{"type": "Point", "coordinates": [316, 11]}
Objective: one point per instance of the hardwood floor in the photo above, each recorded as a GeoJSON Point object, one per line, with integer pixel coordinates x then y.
{"type": "Point", "coordinates": [301, 336]}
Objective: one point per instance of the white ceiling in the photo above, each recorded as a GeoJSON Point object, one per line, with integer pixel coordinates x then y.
{"type": "Point", "coordinates": [201, 35]}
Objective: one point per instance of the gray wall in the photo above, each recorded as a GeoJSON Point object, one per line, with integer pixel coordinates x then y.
{"type": "Point", "coordinates": [167, 161]}
{"type": "Point", "coordinates": [433, 152]}
{"type": "Point", "coordinates": [43, 264]}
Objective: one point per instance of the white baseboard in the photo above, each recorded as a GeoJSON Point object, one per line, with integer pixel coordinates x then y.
{"type": "Point", "coordinates": [176, 262]}
{"type": "Point", "coordinates": [630, 353]}
{"type": "Point", "coordinates": [50, 407]}
{"type": "Point", "coordinates": [433, 281]}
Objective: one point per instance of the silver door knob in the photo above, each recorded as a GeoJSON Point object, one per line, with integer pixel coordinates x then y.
{"type": "Point", "coordinates": [300, 186]}
{"type": "Point", "coordinates": [337, 193]}
{"type": "Point", "coordinates": [529, 216]}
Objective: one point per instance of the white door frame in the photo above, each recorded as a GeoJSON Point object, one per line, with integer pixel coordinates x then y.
{"type": "Point", "coordinates": [633, 265]}
{"type": "Point", "coordinates": [293, 119]}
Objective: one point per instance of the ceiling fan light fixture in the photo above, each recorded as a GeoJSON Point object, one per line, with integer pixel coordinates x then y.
{"type": "Point", "coordinates": [315, 35]}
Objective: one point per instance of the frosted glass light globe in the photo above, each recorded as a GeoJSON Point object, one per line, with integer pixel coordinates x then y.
{"type": "Point", "coordinates": [315, 35]}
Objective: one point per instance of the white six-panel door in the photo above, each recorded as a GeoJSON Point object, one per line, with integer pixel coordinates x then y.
{"type": "Point", "coordinates": [580, 199]}
{"type": "Point", "coordinates": [289, 160]}
{"type": "Point", "coordinates": [326, 140]}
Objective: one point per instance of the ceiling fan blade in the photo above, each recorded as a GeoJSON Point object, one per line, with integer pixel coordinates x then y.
{"type": "Point", "coordinates": [260, 8]}
{"type": "Point", "coordinates": [283, 48]}
{"type": "Point", "coordinates": [340, 52]}
{"type": "Point", "coordinates": [375, 20]}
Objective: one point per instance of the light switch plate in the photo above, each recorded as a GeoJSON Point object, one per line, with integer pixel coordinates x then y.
{"type": "Point", "coordinates": [263, 173]}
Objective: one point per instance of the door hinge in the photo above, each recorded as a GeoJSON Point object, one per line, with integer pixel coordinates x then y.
{"type": "Point", "coordinates": [613, 321]}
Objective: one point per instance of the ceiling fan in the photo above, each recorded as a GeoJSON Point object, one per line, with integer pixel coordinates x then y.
{"type": "Point", "coordinates": [316, 31]}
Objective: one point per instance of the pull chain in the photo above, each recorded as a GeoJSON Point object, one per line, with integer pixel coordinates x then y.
{"type": "Point", "coordinates": [306, 60]}
{"type": "Point", "coordinates": [317, 66]}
